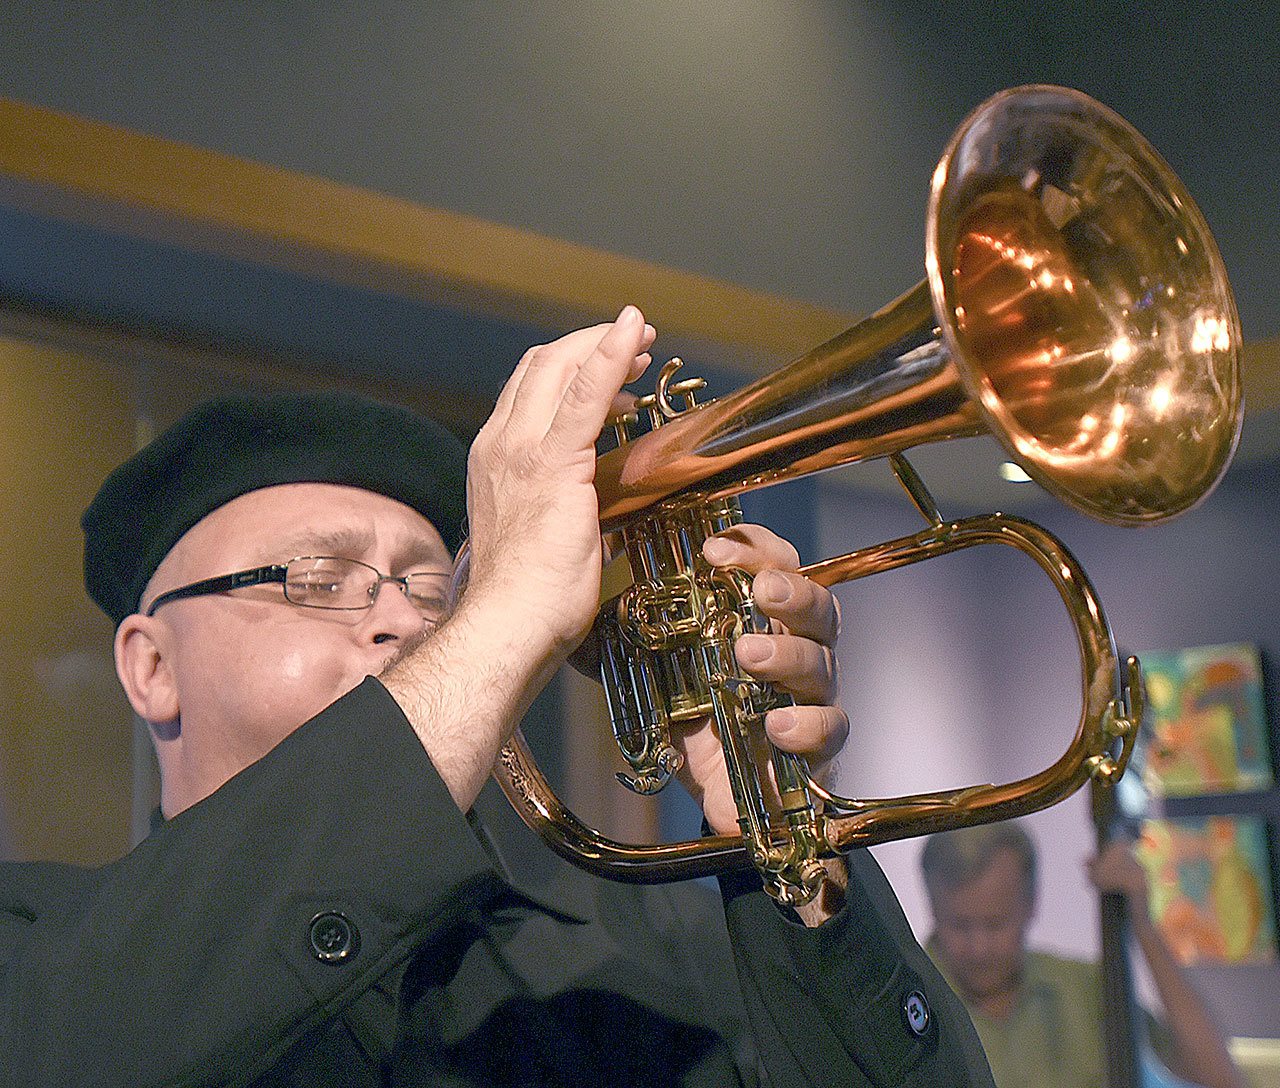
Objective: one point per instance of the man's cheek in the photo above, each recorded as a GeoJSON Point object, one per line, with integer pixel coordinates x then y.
{"type": "Point", "coordinates": [307, 681]}
{"type": "Point", "coordinates": [293, 667]}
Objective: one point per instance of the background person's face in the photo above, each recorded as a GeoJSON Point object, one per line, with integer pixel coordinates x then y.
{"type": "Point", "coordinates": [980, 928]}
{"type": "Point", "coordinates": [249, 667]}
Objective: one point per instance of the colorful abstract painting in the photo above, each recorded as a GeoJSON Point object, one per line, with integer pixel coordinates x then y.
{"type": "Point", "coordinates": [1210, 883]}
{"type": "Point", "coordinates": [1206, 725]}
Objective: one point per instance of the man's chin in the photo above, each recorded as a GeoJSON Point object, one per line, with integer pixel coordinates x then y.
{"type": "Point", "coordinates": [980, 989]}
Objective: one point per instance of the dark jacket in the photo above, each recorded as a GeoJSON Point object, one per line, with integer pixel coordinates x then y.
{"type": "Point", "coordinates": [329, 917]}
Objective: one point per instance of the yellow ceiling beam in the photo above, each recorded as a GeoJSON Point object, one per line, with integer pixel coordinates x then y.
{"type": "Point", "coordinates": [110, 177]}
{"type": "Point", "coordinates": [165, 191]}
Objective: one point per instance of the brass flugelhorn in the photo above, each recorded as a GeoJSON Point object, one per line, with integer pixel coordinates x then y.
{"type": "Point", "coordinates": [1075, 306]}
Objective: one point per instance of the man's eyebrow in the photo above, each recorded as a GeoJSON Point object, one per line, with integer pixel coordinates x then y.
{"type": "Point", "coordinates": [352, 542]}
{"type": "Point", "coordinates": [416, 552]}
{"type": "Point", "coordinates": [346, 542]}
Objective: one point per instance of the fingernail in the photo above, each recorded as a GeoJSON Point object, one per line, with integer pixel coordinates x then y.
{"type": "Point", "coordinates": [771, 588]}
{"type": "Point", "coordinates": [717, 550]}
{"type": "Point", "coordinates": [754, 649]}
{"type": "Point", "coordinates": [780, 722]}
{"type": "Point", "coordinates": [628, 315]}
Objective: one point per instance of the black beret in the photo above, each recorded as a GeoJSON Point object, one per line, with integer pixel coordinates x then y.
{"type": "Point", "coordinates": [235, 444]}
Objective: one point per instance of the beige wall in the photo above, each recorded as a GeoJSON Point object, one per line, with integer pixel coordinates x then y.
{"type": "Point", "coordinates": [65, 728]}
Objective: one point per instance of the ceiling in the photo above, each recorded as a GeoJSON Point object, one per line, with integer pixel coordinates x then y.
{"type": "Point", "coordinates": [783, 147]}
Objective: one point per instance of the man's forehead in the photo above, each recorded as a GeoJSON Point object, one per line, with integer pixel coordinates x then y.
{"type": "Point", "coordinates": [967, 903]}
{"type": "Point", "coordinates": [325, 540]}
{"type": "Point", "coordinates": [353, 541]}
{"type": "Point", "coordinates": [965, 913]}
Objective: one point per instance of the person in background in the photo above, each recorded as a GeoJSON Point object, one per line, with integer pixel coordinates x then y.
{"type": "Point", "coordinates": [1039, 1015]}
{"type": "Point", "coordinates": [322, 901]}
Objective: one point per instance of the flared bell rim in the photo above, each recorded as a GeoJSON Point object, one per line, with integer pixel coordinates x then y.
{"type": "Point", "coordinates": [1159, 471]}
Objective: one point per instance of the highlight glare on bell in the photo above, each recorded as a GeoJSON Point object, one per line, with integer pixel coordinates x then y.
{"type": "Point", "coordinates": [1083, 299]}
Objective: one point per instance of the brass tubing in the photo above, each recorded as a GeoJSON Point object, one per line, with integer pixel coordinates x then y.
{"type": "Point", "coordinates": [882, 385]}
{"type": "Point", "coordinates": [1103, 723]}
{"type": "Point", "coordinates": [1105, 709]}
{"type": "Point", "coordinates": [532, 797]}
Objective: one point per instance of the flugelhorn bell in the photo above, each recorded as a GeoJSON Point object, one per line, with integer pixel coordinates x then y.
{"type": "Point", "coordinates": [1084, 300]}
{"type": "Point", "coordinates": [1076, 307]}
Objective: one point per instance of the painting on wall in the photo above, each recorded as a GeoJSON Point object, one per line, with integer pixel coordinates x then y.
{"type": "Point", "coordinates": [1206, 722]}
{"type": "Point", "coordinates": [1211, 887]}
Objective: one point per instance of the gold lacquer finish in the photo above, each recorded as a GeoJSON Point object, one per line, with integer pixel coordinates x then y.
{"type": "Point", "coordinates": [1075, 306]}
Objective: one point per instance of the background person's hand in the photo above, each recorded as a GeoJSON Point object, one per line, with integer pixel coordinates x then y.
{"type": "Point", "coordinates": [1116, 870]}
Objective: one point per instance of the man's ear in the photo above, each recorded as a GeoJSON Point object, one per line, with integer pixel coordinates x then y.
{"type": "Point", "coordinates": [144, 669]}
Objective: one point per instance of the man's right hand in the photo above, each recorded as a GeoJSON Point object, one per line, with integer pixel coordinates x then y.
{"type": "Point", "coordinates": [534, 580]}
{"type": "Point", "coordinates": [532, 510]}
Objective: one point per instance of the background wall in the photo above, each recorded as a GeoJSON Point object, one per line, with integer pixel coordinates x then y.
{"type": "Point", "coordinates": [65, 728]}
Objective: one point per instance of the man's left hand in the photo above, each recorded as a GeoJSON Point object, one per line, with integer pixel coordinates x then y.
{"type": "Point", "coordinates": [798, 658]}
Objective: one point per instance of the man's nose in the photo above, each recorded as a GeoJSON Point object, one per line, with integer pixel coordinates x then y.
{"type": "Point", "coordinates": [392, 615]}
{"type": "Point", "coordinates": [968, 944]}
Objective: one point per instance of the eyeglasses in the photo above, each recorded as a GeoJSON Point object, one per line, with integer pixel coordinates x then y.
{"type": "Point", "coordinates": [326, 581]}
